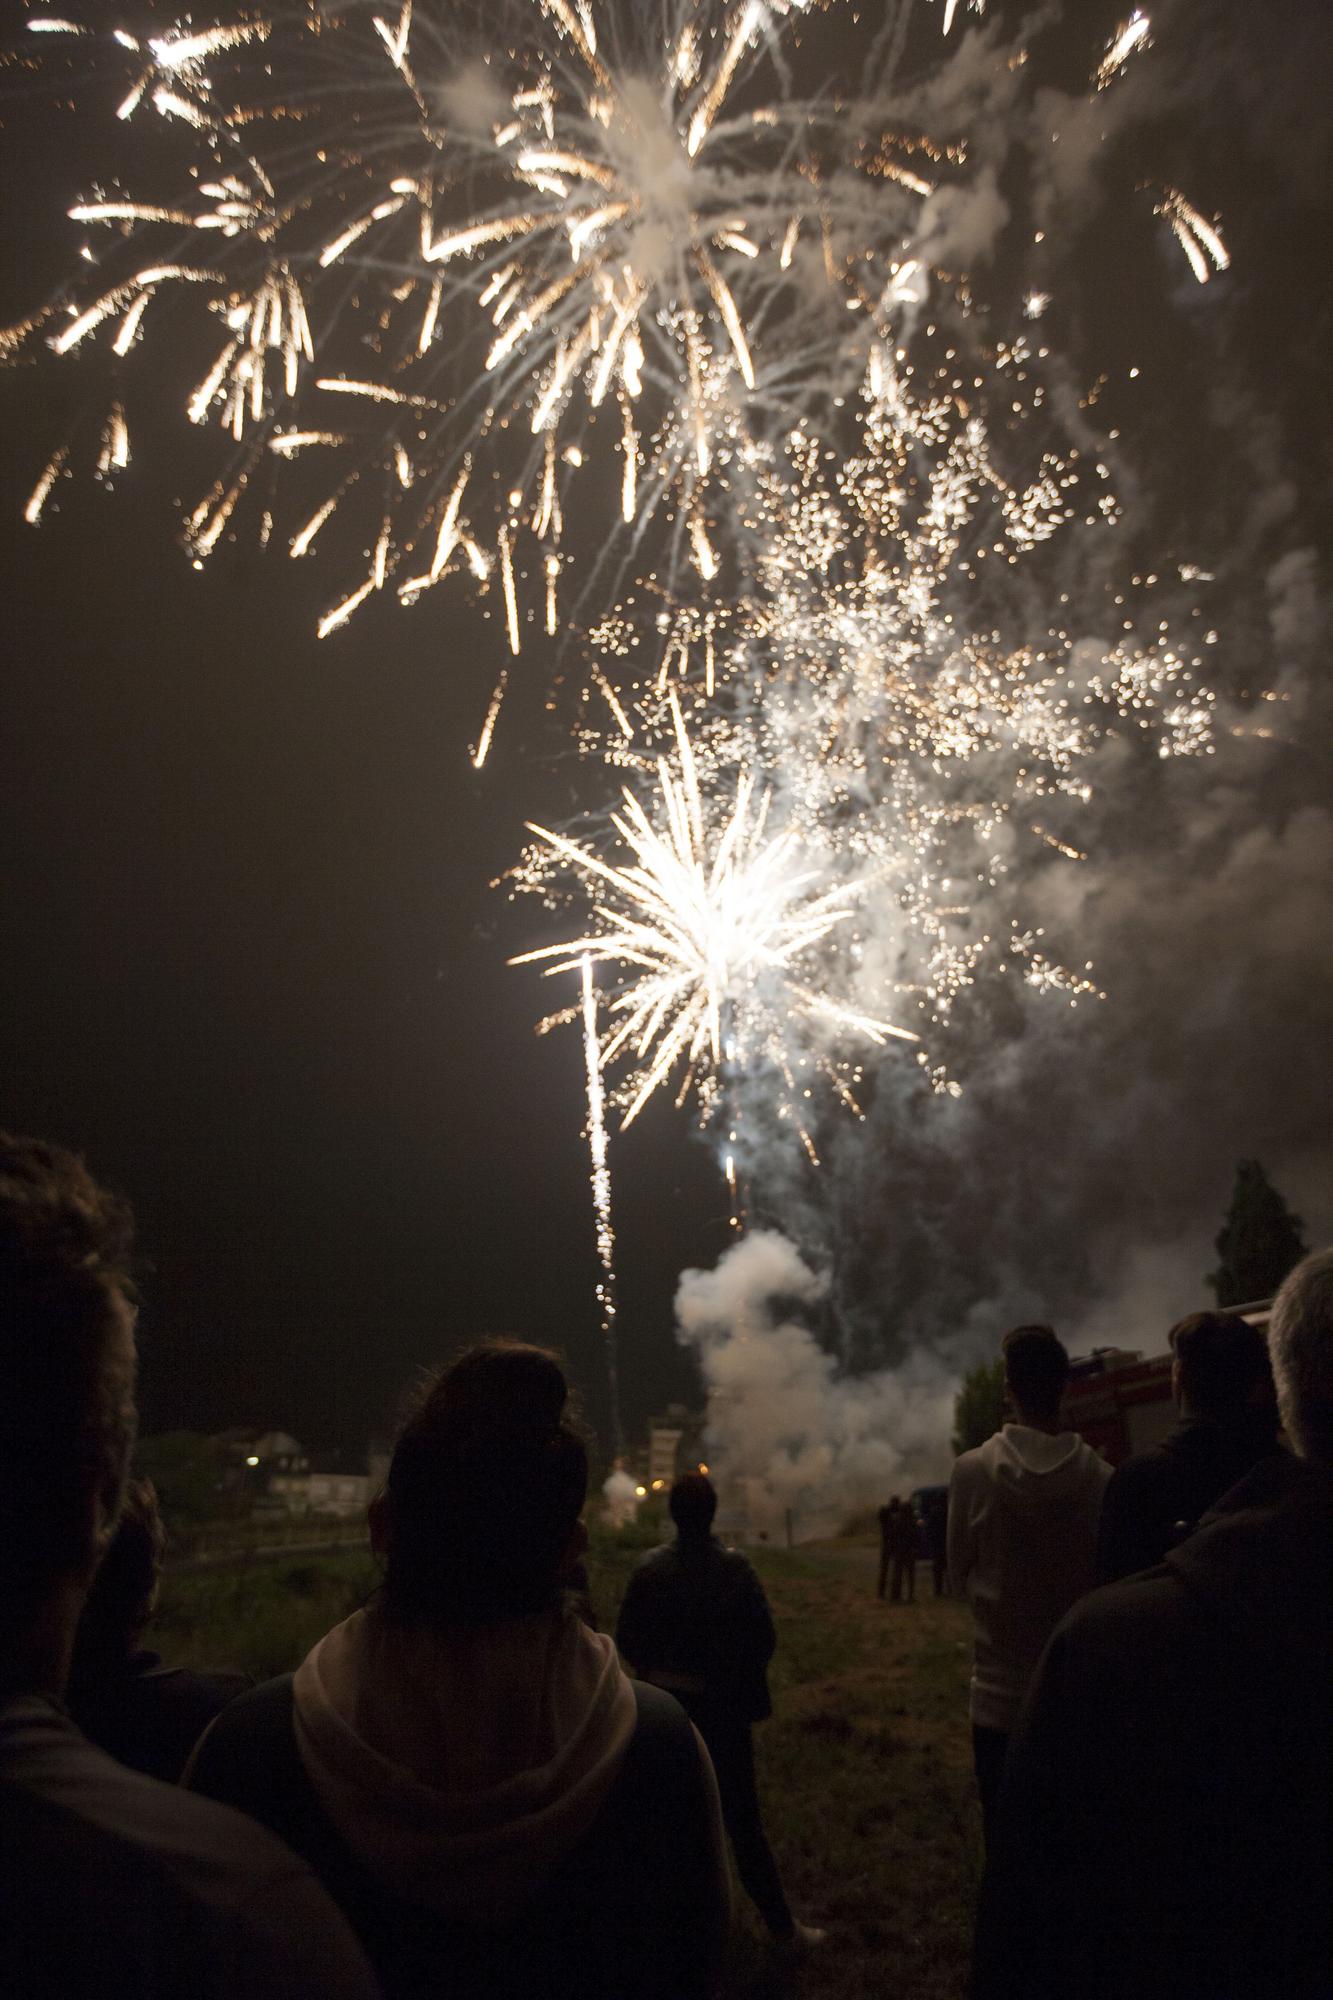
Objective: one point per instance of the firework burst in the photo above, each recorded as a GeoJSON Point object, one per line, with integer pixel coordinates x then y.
{"type": "Point", "coordinates": [455, 264]}
{"type": "Point", "coordinates": [715, 929]}
{"type": "Point", "coordinates": [508, 241]}
{"type": "Point", "coordinates": [459, 262]}
{"type": "Point", "coordinates": [890, 667]}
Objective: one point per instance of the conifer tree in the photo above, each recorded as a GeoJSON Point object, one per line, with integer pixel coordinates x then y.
{"type": "Point", "coordinates": [978, 1410]}
{"type": "Point", "coordinates": [1260, 1241]}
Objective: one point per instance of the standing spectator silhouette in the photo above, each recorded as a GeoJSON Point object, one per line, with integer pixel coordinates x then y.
{"type": "Point", "coordinates": [1223, 1388]}
{"type": "Point", "coordinates": [496, 1807]}
{"type": "Point", "coordinates": [694, 1619]}
{"type": "Point", "coordinates": [902, 1532]}
{"type": "Point", "coordinates": [1166, 1822]}
{"type": "Point", "coordinates": [937, 1538]}
{"type": "Point", "coordinates": [1023, 1511]}
{"type": "Point", "coordinates": [147, 1715]}
{"type": "Point", "coordinates": [887, 1518]}
{"type": "Point", "coordinates": [112, 1883]}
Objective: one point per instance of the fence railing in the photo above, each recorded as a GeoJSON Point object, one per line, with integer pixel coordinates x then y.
{"type": "Point", "coordinates": [241, 1541]}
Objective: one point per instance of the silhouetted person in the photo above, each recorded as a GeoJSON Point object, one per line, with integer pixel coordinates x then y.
{"type": "Point", "coordinates": [937, 1532]}
{"type": "Point", "coordinates": [112, 1883]}
{"type": "Point", "coordinates": [498, 1809]}
{"type": "Point", "coordinates": [902, 1538]}
{"type": "Point", "coordinates": [1223, 1388]}
{"type": "Point", "coordinates": [694, 1619]}
{"type": "Point", "coordinates": [145, 1714]}
{"type": "Point", "coordinates": [1023, 1511]}
{"type": "Point", "coordinates": [1165, 1827]}
{"type": "Point", "coordinates": [887, 1516]}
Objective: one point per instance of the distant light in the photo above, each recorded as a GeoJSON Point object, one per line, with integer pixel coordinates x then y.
{"type": "Point", "coordinates": [252, 1461]}
{"type": "Point", "coordinates": [703, 1468]}
{"type": "Point", "coordinates": [642, 1492]}
{"type": "Point", "coordinates": [658, 1484]}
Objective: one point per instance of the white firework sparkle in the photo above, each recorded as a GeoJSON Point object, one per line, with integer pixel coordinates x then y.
{"type": "Point", "coordinates": [883, 668]}
{"type": "Point", "coordinates": [458, 261]}
{"type": "Point", "coordinates": [458, 255]}
{"type": "Point", "coordinates": [712, 927]}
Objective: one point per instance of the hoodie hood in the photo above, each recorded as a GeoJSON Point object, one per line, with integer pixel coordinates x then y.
{"type": "Point", "coordinates": [1262, 1561]}
{"type": "Point", "coordinates": [462, 1767]}
{"type": "Point", "coordinates": [1033, 1469]}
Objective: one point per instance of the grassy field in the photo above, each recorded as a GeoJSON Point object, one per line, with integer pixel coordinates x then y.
{"type": "Point", "coordinates": [865, 1768]}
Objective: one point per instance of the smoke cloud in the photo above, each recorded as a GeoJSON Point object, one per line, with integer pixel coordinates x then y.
{"type": "Point", "coordinates": [472, 99]}
{"type": "Point", "coordinates": [960, 226]}
{"type": "Point", "coordinates": [1085, 1169]}
{"type": "Point", "coordinates": [792, 1432]}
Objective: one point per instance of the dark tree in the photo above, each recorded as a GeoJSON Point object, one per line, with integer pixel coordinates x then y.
{"type": "Point", "coordinates": [1259, 1243]}
{"type": "Point", "coordinates": [978, 1408]}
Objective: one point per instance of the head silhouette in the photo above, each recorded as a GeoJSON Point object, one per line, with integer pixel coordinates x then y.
{"type": "Point", "coordinates": [1221, 1364]}
{"type": "Point", "coordinates": [1300, 1341]}
{"type": "Point", "coordinates": [480, 1517]}
{"type": "Point", "coordinates": [692, 1504]}
{"type": "Point", "coordinates": [67, 1413]}
{"type": "Point", "coordinates": [1036, 1368]}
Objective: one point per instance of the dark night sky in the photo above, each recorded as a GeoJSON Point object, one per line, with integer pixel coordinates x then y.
{"type": "Point", "coordinates": [253, 968]}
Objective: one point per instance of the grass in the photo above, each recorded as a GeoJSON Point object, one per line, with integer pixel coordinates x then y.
{"type": "Point", "coordinates": [865, 1772]}
{"type": "Point", "coordinates": [865, 1769]}
{"type": "Point", "coordinates": [258, 1617]}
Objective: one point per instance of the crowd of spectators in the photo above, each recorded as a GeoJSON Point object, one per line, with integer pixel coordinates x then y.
{"type": "Point", "coordinates": [462, 1788]}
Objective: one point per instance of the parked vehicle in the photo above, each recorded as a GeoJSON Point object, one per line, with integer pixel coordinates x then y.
{"type": "Point", "coordinates": [919, 1501]}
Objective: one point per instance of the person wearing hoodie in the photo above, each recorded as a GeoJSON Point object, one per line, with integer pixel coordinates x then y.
{"type": "Point", "coordinates": [1223, 1388]}
{"type": "Point", "coordinates": [1166, 1821]}
{"type": "Point", "coordinates": [489, 1799]}
{"type": "Point", "coordinates": [1022, 1541]}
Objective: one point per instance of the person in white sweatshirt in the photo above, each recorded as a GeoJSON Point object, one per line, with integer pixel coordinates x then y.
{"type": "Point", "coordinates": [1022, 1541]}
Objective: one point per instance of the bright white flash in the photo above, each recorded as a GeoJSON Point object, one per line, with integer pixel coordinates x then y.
{"type": "Point", "coordinates": [709, 929]}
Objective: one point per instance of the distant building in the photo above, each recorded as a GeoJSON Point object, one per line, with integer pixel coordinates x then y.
{"type": "Point", "coordinates": [344, 1494]}
{"type": "Point", "coordinates": [252, 1460]}
{"type": "Point", "coordinates": [289, 1492]}
{"type": "Point", "coordinates": [269, 1473]}
{"type": "Point", "coordinates": [248, 1450]}
{"type": "Point", "coordinates": [663, 1454]}
{"type": "Point", "coordinates": [675, 1445]}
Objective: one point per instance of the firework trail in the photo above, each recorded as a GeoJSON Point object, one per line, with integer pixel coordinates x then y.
{"type": "Point", "coordinates": [607, 1299]}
